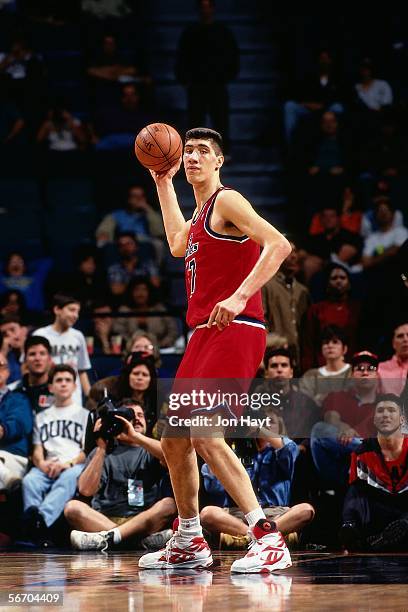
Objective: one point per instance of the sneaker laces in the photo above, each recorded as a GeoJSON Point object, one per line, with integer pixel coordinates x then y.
{"type": "Point", "coordinates": [169, 545]}
{"type": "Point", "coordinates": [105, 537]}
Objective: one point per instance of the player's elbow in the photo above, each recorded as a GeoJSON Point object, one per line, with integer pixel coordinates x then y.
{"type": "Point", "coordinates": [177, 251]}
{"type": "Point", "coordinates": [282, 247]}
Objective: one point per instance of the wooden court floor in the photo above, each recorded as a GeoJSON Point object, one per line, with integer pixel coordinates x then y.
{"type": "Point", "coordinates": [98, 582]}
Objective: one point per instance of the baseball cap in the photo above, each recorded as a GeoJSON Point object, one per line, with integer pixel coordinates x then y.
{"type": "Point", "coordinates": [364, 356]}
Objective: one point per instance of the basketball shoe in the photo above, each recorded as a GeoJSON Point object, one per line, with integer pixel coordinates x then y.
{"type": "Point", "coordinates": [180, 552]}
{"type": "Point", "coordinates": [267, 551]}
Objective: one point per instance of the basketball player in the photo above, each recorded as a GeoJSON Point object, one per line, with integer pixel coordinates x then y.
{"type": "Point", "coordinates": [224, 274]}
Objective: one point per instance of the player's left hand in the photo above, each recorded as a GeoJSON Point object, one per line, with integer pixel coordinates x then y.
{"type": "Point", "coordinates": [224, 312]}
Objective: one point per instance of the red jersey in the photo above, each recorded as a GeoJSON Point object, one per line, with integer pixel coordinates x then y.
{"type": "Point", "coordinates": [216, 265]}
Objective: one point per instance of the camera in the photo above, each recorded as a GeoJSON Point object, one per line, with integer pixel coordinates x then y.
{"type": "Point", "coordinates": [111, 426]}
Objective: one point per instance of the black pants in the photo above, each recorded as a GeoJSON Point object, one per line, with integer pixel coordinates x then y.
{"type": "Point", "coordinates": [372, 514]}
{"type": "Point", "coordinates": [211, 98]}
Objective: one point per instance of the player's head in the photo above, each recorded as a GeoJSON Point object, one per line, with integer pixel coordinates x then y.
{"type": "Point", "coordinates": [203, 154]}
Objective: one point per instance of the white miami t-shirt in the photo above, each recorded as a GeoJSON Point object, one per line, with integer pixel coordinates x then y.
{"type": "Point", "coordinates": [68, 348]}
{"type": "Point", "coordinates": [61, 431]}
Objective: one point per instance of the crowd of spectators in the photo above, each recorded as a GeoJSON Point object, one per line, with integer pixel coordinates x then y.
{"type": "Point", "coordinates": [336, 313]}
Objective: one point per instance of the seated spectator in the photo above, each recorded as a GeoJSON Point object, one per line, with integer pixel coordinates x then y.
{"type": "Point", "coordinates": [271, 474]}
{"type": "Point", "coordinates": [298, 410]}
{"type": "Point", "coordinates": [29, 279]}
{"type": "Point", "coordinates": [61, 132]}
{"type": "Point", "coordinates": [12, 302]}
{"type": "Point", "coordinates": [337, 309]}
{"type": "Point", "coordinates": [25, 71]}
{"type": "Point", "coordinates": [347, 418]}
{"type": "Point", "coordinates": [286, 302]}
{"type": "Point", "coordinates": [384, 243]}
{"type": "Point", "coordinates": [140, 299]}
{"type": "Point", "coordinates": [350, 217]}
{"type": "Point", "coordinates": [130, 265]}
{"type": "Point", "coordinates": [68, 344]}
{"type": "Point", "coordinates": [334, 374]}
{"type": "Point", "coordinates": [137, 380]}
{"type": "Point", "coordinates": [109, 64]}
{"type": "Point", "coordinates": [14, 336]}
{"type": "Point", "coordinates": [318, 249]}
{"type": "Point", "coordinates": [37, 363]}
{"type": "Point", "coordinates": [58, 457]}
{"type": "Point", "coordinates": [385, 154]}
{"type": "Point", "coordinates": [375, 517]}
{"type": "Point", "coordinates": [115, 516]}
{"type": "Point", "coordinates": [138, 217]}
{"type": "Point", "coordinates": [88, 281]}
{"type": "Point", "coordinates": [115, 126]}
{"type": "Point", "coordinates": [372, 94]}
{"type": "Point", "coordinates": [11, 122]}
{"type": "Point", "coordinates": [146, 344]}
{"type": "Point", "coordinates": [104, 341]}
{"type": "Point", "coordinates": [319, 91]}
{"type": "Point", "coordinates": [393, 372]}
{"type": "Point", "coordinates": [16, 425]}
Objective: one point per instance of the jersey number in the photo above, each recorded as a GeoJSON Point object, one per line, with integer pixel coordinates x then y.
{"type": "Point", "coordinates": [192, 269]}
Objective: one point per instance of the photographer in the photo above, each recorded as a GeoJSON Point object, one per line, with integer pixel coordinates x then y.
{"type": "Point", "coordinates": [271, 471]}
{"type": "Point", "coordinates": [125, 489]}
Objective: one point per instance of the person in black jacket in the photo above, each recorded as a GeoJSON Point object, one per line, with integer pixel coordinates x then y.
{"type": "Point", "coordinates": [375, 513]}
{"type": "Point", "coordinates": [207, 58]}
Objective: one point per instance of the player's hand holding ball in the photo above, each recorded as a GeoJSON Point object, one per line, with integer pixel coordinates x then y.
{"type": "Point", "coordinates": [159, 148]}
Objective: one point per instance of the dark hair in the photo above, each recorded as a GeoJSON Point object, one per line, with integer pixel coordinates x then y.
{"type": "Point", "coordinates": [122, 387]}
{"type": "Point", "coordinates": [5, 297]}
{"type": "Point", "coordinates": [383, 199]}
{"type": "Point", "coordinates": [9, 256]}
{"type": "Point", "coordinates": [278, 352]}
{"type": "Point", "coordinates": [60, 300]}
{"type": "Point", "coordinates": [135, 282]}
{"type": "Point", "coordinates": [10, 318]}
{"type": "Point", "coordinates": [36, 341]}
{"type": "Point", "coordinates": [389, 397]}
{"type": "Point", "coordinates": [62, 367]}
{"type": "Point", "coordinates": [332, 332]}
{"type": "Point", "coordinates": [206, 134]}
{"type": "Point", "coordinates": [129, 401]}
{"type": "Point", "coordinates": [336, 266]}
{"type": "Point", "coordinates": [127, 235]}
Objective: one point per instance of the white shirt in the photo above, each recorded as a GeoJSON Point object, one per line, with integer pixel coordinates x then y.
{"type": "Point", "coordinates": [68, 348]}
{"type": "Point", "coordinates": [384, 240]}
{"type": "Point", "coordinates": [61, 431]}
{"type": "Point", "coordinates": [377, 95]}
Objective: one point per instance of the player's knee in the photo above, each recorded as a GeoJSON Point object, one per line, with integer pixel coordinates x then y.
{"type": "Point", "coordinates": [207, 448]}
{"type": "Point", "coordinates": [175, 447]}
{"type": "Point", "coordinates": [306, 513]}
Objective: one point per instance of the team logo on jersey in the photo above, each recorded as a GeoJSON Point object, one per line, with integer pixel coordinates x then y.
{"type": "Point", "coordinates": [192, 247]}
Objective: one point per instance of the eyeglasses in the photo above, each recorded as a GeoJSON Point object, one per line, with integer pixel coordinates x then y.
{"type": "Point", "coordinates": [362, 368]}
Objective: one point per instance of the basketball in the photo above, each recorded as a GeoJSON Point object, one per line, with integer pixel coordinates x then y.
{"type": "Point", "coordinates": [158, 147]}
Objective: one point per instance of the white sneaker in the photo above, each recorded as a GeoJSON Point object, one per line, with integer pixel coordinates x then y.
{"type": "Point", "coordinates": [88, 540]}
{"type": "Point", "coordinates": [267, 551]}
{"type": "Point", "coordinates": [180, 552]}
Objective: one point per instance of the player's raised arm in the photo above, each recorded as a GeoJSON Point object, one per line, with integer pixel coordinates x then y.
{"type": "Point", "coordinates": [234, 208]}
{"type": "Point", "coordinates": [175, 225]}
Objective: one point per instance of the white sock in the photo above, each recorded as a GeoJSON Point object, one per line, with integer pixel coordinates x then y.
{"type": "Point", "coordinates": [116, 535]}
{"type": "Point", "coordinates": [254, 516]}
{"type": "Point", "coordinates": [190, 526]}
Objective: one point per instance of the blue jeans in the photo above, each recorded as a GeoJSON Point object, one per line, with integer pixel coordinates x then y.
{"type": "Point", "coordinates": [293, 111]}
{"type": "Point", "coordinates": [330, 457]}
{"type": "Point", "coordinates": [50, 495]}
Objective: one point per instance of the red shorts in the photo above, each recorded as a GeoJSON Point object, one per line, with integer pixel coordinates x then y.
{"type": "Point", "coordinates": [224, 361]}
